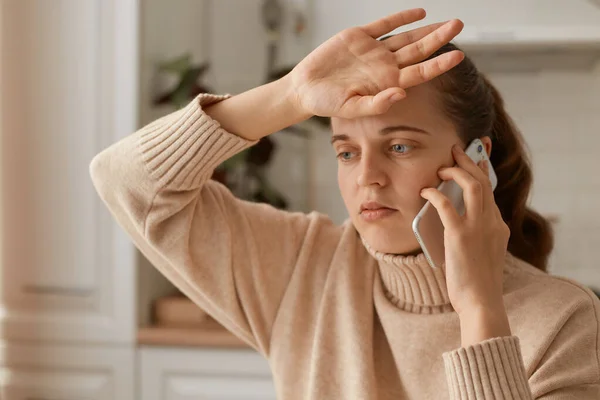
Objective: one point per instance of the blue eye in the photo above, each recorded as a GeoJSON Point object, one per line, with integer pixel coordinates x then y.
{"type": "Point", "coordinates": [345, 155]}
{"type": "Point", "coordinates": [400, 148]}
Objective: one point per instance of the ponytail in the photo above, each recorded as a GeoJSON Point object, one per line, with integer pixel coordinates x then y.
{"type": "Point", "coordinates": [477, 109]}
{"type": "Point", "coordinates": [531, 237]}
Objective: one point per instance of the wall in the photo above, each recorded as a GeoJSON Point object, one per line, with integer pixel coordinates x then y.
{"type": "Point", "coordinates": [559, 114]}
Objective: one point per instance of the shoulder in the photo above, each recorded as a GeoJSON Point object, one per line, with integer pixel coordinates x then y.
{"type": "Point", "coordinates": [523, 279]}
{"type": "Point", "coordinates": [545, 307]}
{"type": "Point", "coordinates": [557, 321]}
{"type": "Point", "coordinates": [545, 304]}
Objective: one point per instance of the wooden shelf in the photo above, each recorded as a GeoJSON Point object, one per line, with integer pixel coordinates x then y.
{"type": "Point", "coordinates": [176, 336]}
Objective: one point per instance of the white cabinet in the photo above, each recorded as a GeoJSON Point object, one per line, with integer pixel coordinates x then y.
{"type": "Point", "coordinates": [24, 384]}
{"type": "Point", "coordinates": [484, 20]}
{"type": "Point", "coordinates": [48, 372]}
{"type": "Point", "coordinates": [203, 374]}
{"type": "Point", "coordinates": [69, 89]}
{"type": "Point", "coordinates": [69, 76]}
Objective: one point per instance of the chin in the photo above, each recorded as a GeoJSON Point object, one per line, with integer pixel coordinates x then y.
{"type": "Point", "coordinates": [390, 240]}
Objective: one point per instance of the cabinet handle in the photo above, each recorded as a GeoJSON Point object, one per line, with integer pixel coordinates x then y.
{"type": "Point", "coordinates": [58, 290]}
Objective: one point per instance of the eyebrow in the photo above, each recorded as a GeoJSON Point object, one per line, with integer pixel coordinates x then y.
{"type": "Point", "coordinates": [384, 131]}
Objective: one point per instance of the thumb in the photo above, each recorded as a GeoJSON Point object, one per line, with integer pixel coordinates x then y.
{"type": "Point", "coordinates": [378, 104]}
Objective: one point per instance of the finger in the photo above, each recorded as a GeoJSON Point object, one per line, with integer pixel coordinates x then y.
{"type": "Point", "coordinates": [472, 188]}
{"type": "Point", "coordinates": [421, 49]}
{"type": "Point", "coordinates": [483, 164]}
{"type": "Point", "coordinates": [359, 106]}
{"type": "Point", "coordinates": [443, 205]}
{"type": "Point", "coordinates": [396, 42]}
{"type": "Point", "coordinates": [465, 162]}
{"type": "Point", "coordinates": [427, 70]}
{"type": "Point", "coordinates": [387, 24]}
{"type": "Point", "coordinates": [485, 167]}
{"type": "Point", "coordinates": [486, 172]}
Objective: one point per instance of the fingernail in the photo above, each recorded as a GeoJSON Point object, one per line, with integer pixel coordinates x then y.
{"type": "Point", "coordinates": [396, 97]}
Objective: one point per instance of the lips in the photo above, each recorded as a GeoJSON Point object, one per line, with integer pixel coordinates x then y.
{"type": "Point", "coordinates": [374, 205]}
{"type": "Point", "coordinates": [372, 211]}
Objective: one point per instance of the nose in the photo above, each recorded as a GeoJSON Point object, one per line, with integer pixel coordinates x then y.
{"type": "Point", "coordinates": [371, 172]}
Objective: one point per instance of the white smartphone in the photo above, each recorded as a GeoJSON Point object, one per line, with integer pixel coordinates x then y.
{"type": "Point", "coordinates": [427, 225]}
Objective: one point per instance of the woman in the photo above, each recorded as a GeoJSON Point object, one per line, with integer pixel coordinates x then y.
{"type": "Point", "coordinates": [354, 311]}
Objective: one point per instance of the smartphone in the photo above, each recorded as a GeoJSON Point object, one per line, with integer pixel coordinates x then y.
{"type": "Point", "coordinates": [427, 225]}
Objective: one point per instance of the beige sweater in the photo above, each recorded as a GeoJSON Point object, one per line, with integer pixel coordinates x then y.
{"type": "Point", "coordinates": [334, 318]}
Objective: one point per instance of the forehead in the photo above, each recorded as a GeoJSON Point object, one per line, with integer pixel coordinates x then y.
{"type": "Point", "coordinates": [421, 108]}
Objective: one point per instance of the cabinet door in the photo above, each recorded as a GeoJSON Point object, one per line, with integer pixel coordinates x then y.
{"type": "Point", "coordinates": [41, 372]}
{"type": "Point", "coordinates": [193, 374]}
{"type": "Point", "coordinates": [50, 385]}
{"type": "Point", "coordinates": [484, 20]}
{"type": "Point", "coordinates": [68, 76]}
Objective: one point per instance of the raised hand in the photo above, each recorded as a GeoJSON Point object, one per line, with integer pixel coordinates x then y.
{"type": "Point", "coordinates": [353, 74]}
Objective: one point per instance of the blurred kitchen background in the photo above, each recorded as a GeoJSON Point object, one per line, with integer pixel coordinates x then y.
{"type": "Point", "coordinates": [83, 314]}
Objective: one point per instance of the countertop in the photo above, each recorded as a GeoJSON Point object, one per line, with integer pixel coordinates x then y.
{"type": "Point", "coordinates": [178, 336]}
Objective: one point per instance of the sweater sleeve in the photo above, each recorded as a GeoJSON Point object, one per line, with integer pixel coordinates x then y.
{"type": "Point", "coordinates": [492, 369]}
{"type": "Point", "coordinates": [233, 258]}
{"type": "Point", "coordinates": [569, 368]}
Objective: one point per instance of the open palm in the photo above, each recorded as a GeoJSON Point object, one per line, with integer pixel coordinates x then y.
{"type": "Point", "coordinates": [353, 74]}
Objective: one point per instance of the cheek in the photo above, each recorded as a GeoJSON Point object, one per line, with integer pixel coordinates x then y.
{"type": "Point", "coordinates": [429, 177]}
{"type": "Point", "coordinates": [426, 169]}
{"type": "Point", "coordinates": [345, 186]}
{"type": "Point", "coordinates": [418, 175]}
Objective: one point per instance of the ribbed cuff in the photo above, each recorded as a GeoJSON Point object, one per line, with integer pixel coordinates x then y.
{"type": "Point", "coordinates": [182, 149]}
{"type": "Point", "coordinates": [492, 369]}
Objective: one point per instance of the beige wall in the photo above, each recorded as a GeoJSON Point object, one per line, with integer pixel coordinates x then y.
{"type": "Point", "coordinates": [559, 114]}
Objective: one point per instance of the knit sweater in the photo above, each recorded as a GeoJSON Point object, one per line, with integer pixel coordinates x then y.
{"type": "Point", "coordinates": [334, 318]}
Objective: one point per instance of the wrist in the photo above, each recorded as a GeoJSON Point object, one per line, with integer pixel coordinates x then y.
{"type": "Point", "coordinates": [260, 111]}
{"type": "Point", "coordinates": [291, 99]}
{"type": "Point", "coordinates": [480, 323]}
{"type": "Point", "coordinates": [483, 308]}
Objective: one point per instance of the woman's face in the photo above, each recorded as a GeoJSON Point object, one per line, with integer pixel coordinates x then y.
{"type": "Point", "coordinates": [387, 159]}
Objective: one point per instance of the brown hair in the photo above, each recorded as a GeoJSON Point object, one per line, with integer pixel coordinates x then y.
{"type": "Point", "coordinates": [477, 109]}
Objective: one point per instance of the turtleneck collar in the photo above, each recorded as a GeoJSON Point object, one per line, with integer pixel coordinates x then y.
{"type": "Point", "coordinates": [411, 283]}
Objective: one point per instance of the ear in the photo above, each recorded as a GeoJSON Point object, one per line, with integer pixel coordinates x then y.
{"type": "Point", "coordinates": [487, 142]}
